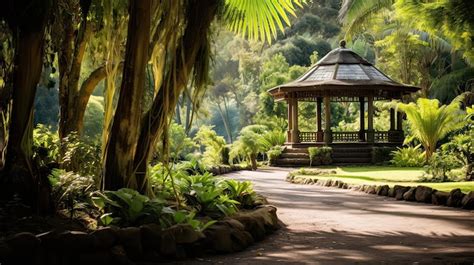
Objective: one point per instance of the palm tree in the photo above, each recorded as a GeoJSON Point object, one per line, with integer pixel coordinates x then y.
{"type": "Point", "coordinates": [429, 122]}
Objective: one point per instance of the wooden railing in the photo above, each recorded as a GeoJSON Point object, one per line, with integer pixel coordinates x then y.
{"type": "Point", "coordinates": [351, 137]}
{"type": "Point", "coordinates": [308, 137]}
{"type": "Point", "coordinates": [345, 137]}
{"type": "Point", "coordinates": [381, 137]}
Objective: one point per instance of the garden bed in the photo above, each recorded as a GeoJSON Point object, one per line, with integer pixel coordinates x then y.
{"type": "Point", "coordinates": [146, 243]}
{"type": "Point", "coordinates": [418, 193]}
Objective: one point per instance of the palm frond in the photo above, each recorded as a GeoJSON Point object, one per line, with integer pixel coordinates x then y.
{"type": "Point", "coordinates": [259, 19]}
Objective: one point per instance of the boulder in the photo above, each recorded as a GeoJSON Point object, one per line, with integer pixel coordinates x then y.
{"type": "Point", "coordinates": [151, 236]}
{"type": "Point", "coordinates": [23, 248]}
{"type": "Point", "coordinates": [382, 190]}
{"type": "Point", "coordinates": [130, 239]}
{"type": "Point", "coordinates": [370, 189]}
{"type": "Point", "coordinates": [455, 198]}
{"type": "Point", "coordinates": [439, 197]}
{"type": "Point", "coordinates": [104, 238]}
{"type": "Point", "coordinates": [336, 183]}
{"type": "Point", "coordinates": [399, 191]}
{"type": "Point", "coordinates": [345, 186]}
{"type": "Point", "coordinates": [328, 183]}
{"type": "Point", "coordinates": [340, 185]}
{"type": "Point", "coordinates": [97, 257]}
{"type": "Point", "coordinates": [183, 233]}
{"type": "Point", "coordinates": [423, 194]}
{"type": "Point", "coordinates": [227, 236]}
{"type": "Point", "coordinates": [468, 201]}
{"type": "Point", "coordinates": [119, 256]}
{"type": "Point", "coordinates": [76, 240]}
{"type": "Point", "coordinates": [391, 192]}
{"type": "Point", "coordinates": [410, 194]}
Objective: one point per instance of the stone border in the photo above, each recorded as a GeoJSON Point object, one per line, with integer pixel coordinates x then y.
{"type": "Point", "coordinates": [224, 169]}
{"type": "Point", "coordinates": [147, 243]}
{"type": "Point", "coordinates": [420, 193]}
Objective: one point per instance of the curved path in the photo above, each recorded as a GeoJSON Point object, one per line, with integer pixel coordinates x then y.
{"type": "Point", "coordinates": [335, 226]}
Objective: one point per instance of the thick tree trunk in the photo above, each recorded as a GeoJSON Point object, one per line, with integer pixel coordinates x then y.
{"type": "Point", "coordinates": [120, 150]}
{"type": "Point", "coordinates": [200, 15]}
{"type": "Point", "coordinates": [19, 174]}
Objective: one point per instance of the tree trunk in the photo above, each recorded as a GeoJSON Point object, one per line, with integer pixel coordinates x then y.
{"type": "Point", "coordinates": [19, 174]}
{"type": "Point", "coordinates": [200, 14]}
{"type": "Point", "coordinates": [253, 161]}
{"type": "Point", "coordinates": [120, 150]}
{"type": "Point", "coordinates": [70, 62]}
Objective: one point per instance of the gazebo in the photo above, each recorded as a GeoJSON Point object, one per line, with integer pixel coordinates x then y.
{"type": "Point", "coordinates": [342, 76]}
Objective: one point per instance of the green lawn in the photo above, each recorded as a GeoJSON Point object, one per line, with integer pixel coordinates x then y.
{"type": "Point", "coordinates": [378, 175]}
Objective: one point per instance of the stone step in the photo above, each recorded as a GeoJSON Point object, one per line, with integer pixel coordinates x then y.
{"type": "Point", "coordinates": [352, 150]}
{"type": "Point", "coordinates": [296, 150]}
{"type": "Point", "coordinates": [294, 155]}
{"type": "Point", "coordinates": [293, 162]}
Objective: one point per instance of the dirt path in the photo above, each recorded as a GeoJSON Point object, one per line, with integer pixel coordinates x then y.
{"type": "Point", "coordinates": [336, 226]}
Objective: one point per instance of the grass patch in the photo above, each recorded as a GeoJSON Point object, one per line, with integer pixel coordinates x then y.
{"type": "Point", "coordinates": [377, 175]}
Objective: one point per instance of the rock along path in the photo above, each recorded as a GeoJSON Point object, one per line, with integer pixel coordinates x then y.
{"type": "Point", "coordinates": [325, 225]}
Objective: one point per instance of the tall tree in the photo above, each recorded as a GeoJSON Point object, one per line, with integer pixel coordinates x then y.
{"type": "Point", "coordinates": [27, 20]}
{"type": "Point", "coordinates": [120, 150]}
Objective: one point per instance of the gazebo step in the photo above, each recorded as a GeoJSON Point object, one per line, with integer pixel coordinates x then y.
{"type": "Point", "coordinates": [295, 155]}
{"type": "Point", "coordinates": [352, 149]}
{"type": "Point", "coordinates": [293, 162]}
{"type": "Point", "coordinates": [296, 150]}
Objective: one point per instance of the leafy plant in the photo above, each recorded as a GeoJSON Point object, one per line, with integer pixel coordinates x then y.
{"type": "Point", "coordinates": [381, 154]}
{"type": "Point", "coordinates": [241, 191]}
{"type": "Point", "coordinates": [206, 195]}
{"type": "Point", "coordinates": [410, 156]}
{"type": "Point", "coordinates": [82, 155]}
{"type": "Point", "coordinates": [249, 144]}
{"type": "Point", "coordinates": [71, 191]}
{"type": "Point", "coordinates": [45, 145]}
{"type": "Point", "coordinates": [212, 143]}
{"type": "Point", "coordinates": [440, 164]}
{"type": "Point", "coordinates": [320, 155]}
{"type": "Point", "coordinates": [127, 207]}
{"type": "Point", "coordinates": [183, 217]}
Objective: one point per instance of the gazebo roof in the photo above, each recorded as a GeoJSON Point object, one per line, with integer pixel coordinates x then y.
{"type": "Point", "coordinates": [342, 72]}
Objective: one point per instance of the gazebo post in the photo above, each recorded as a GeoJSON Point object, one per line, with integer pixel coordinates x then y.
{"type": "Point", "coordinates": [294, 130]}
{"type": "Point", "coordinates": [392, 119]}
{"type": "Point", "coordinates": [320, 135]}
{"type": "Point", "coordinates": [370, 120]}
{"type": "Point", "coordinates": [289, 138]}
{"type": "Point", "coordinates": [362, 119]}
{"type": "Point", "coordinates": [399, 121]}
{"type": "Point", "coordinates": [327, 120]}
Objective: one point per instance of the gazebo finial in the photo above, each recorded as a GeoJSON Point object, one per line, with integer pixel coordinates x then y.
{"type": "Point", "coordinates": [342, 43]}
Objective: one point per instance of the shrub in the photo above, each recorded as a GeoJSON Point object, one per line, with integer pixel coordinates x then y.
{"type": "Point", "coordinates": [320, 155]}
{"type": "Point", "coordinates": [410, 156]}
{"type": "Point", "coordinates": [212, 143]}
{"type": "Point", "coordinates": [381, 154]}
{"type": "Point", "coordinates": [439, 167]}
{"type": "Point", "coordinates": [274, 153]}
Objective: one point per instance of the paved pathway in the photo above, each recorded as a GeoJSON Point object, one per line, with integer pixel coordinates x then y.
{"type": "Point", "coordinates": [335, 226]}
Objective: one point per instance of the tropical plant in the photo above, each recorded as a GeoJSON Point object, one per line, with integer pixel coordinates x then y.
{"type": "Point", "coordinates": [205, 194]}
{"type": "Point", "coordinates": [249, 144]}
{"type": "Point", "coordinates": [213, 145]}
{"type": "Point", "coordinates": [272, 139]}
{"type": "Point", "coordinates": [127, 207]}
{"type": "Point", "coordinates": [429, 122]}
{"type": "Point", "coordinates": [82, 155]}
{"type": "Point", "coordinates": [410, 156]}
{"type": "Point", "coordinates": [183, 217]}
{"type": "Point", "coordinates": [71, 191]}
{"type": "Point", "coordinates": [241, 191]}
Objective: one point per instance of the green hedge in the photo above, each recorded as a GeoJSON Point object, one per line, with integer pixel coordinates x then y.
{"type": "Point", "coordinates": [320, 155]}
